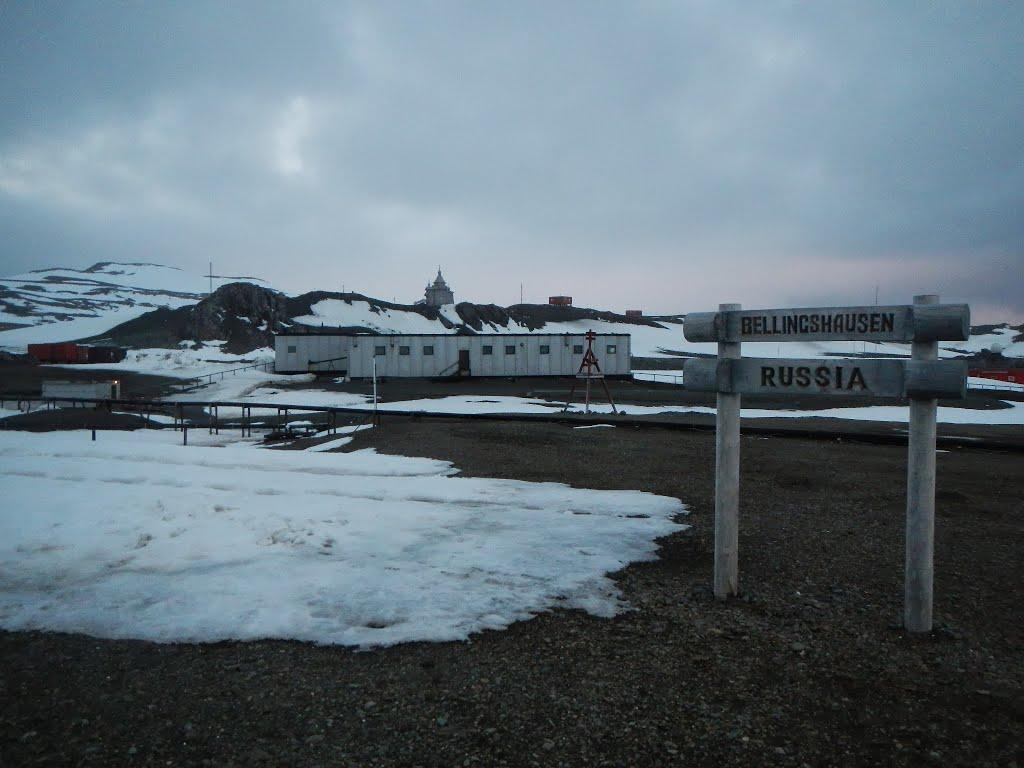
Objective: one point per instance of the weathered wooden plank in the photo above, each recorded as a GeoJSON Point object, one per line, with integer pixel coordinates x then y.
{"type": "Point", "coordinates": [727, 480]}
{"type": "Point", "coordinates": [832, 376]}
{"type": "Point", "coordinates": [901, 323]}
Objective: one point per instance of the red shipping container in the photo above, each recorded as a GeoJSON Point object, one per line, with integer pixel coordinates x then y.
{"type": "Point", "coordinates": [41, 352]}
{"type": "Point", "coordinates": [65, 353]}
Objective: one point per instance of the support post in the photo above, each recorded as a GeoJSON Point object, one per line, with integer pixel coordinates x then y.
{"type": "Point", "coordinates": [727, 478]}
{"type": "Point", "coordinates": [184, 434]}
{"type": "Point", "coordinates": [920, 535]}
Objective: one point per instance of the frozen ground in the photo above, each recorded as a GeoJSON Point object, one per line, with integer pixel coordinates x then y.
{"type": "Point", "coordinates": [255, 390]}
{"type": "Point", "coordinates": [137, 536]}
{"type": "Point", "coordinates": [1012, 415]}
{"type": "Point", "coordinates": [186, 362]}
{"type": "Point", "coordinates": [977, 382]}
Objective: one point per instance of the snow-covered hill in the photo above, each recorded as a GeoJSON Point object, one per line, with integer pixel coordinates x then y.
{"type": "Point", "coordinates": [65, 304]}
{"type": "Point", "coordinates": [650, 336]}
{"type": "Point", "coordinates": [654, 337]}
{"type": "Point", "coordinates": [147, 305]}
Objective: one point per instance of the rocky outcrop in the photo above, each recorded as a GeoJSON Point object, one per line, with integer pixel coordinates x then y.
{"type": "Point", "coordinates": [241, 315]}
{"type": "Point", "coordinates": [535, 316]}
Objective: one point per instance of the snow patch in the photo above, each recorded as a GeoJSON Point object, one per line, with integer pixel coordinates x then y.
{"type": "Point", "coordinates": [135, 536]}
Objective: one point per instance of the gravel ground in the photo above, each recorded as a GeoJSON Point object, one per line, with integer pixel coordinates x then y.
{"type": "Point", "coordinates": [807, 667]}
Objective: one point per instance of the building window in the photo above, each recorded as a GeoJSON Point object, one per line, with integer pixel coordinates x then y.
{"type": "Point", "coordinates": [403, 350]}
{"type": "Point", "coordinates": [291, 349]}
{"type": "Point", "coordinates": [487, 349]}
{"type": "Point", "coordinates": [379, 351]}
{"type": "Point", "coordinates": [428, 350]}
{"type": "Point", "coordinates": [545, 349]}
{"type": "Point", "coordinates": [577, 349]}
{"type": "Point", "coordinates": [510, 349]}
{"type": "Point", "coordinates": [610, 349]}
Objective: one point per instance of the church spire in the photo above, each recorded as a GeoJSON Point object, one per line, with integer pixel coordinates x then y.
{"type": "Point", "coordinates": [438, 293]}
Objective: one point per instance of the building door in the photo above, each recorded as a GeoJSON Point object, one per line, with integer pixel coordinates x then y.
{"type": "Point", "coordinates": [464, 361]}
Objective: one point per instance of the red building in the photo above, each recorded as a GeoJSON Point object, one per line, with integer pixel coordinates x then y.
{"type": "Point", "coordinates": [560, 301]}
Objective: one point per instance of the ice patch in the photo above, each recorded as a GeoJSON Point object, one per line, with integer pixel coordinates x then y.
{"type": "Point", "coordinates": [137, 536]}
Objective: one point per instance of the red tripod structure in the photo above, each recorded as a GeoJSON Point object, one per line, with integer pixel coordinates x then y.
{"type": "Point", "coordinates": [589, 369]}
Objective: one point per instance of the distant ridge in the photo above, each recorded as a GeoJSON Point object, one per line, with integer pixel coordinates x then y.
{"type": "Point", "coordinates": [143, 304]}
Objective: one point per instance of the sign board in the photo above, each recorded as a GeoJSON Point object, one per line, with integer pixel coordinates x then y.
{"type": "Point", "coordinates": [838, 376]}
{"type": "Point", "coordinates": [902, 324]}
{"type": "Point", "coordinates": [923, 379]}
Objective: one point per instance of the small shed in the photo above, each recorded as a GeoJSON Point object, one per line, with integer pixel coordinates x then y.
{"type": "Point", "coordinates": [82, 390]}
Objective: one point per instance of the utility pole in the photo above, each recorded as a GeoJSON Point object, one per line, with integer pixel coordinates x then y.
{"type": "Point", "coordinates": [211, 278]}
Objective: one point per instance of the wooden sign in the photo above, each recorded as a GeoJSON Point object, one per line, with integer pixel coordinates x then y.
{"type": "Point", "coordinates": [904, 323]}
{"type": "Point", "coordinates": [839, 376]}
{"type": "Point", "coordinates": [922, 379]}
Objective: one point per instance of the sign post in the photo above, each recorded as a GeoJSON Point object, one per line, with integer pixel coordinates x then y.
{"type": "Point", "coordinates": [727, 479]}
{"type": "Point", "coordinates": [920, 537]}
{"type": "Point", "coordinates": [922, 380]}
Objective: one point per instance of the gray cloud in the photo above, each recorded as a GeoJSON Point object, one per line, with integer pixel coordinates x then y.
{"type": "Point", "coordinates": [666, 156]}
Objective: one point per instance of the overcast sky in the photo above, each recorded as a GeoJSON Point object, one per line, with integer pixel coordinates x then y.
{"type": "Point", "coordinates": [663, 156]}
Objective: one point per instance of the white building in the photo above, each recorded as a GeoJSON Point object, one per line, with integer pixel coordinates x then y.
{"type": "Point", "coordinates": [437, 294]}
{"type": "Point", "coordinates": [440, 354]}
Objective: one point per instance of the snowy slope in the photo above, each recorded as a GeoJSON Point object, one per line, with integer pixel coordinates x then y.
{"type": "Point", "coordinates": [646, 340]}
{"type": "Point", "coordinates": [68, 304]}
{"type": "Point", "coordinates": [355, 313]}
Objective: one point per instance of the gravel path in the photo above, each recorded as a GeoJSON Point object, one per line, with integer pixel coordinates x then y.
{"type": "Point", "coordinates": [808, 667]}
